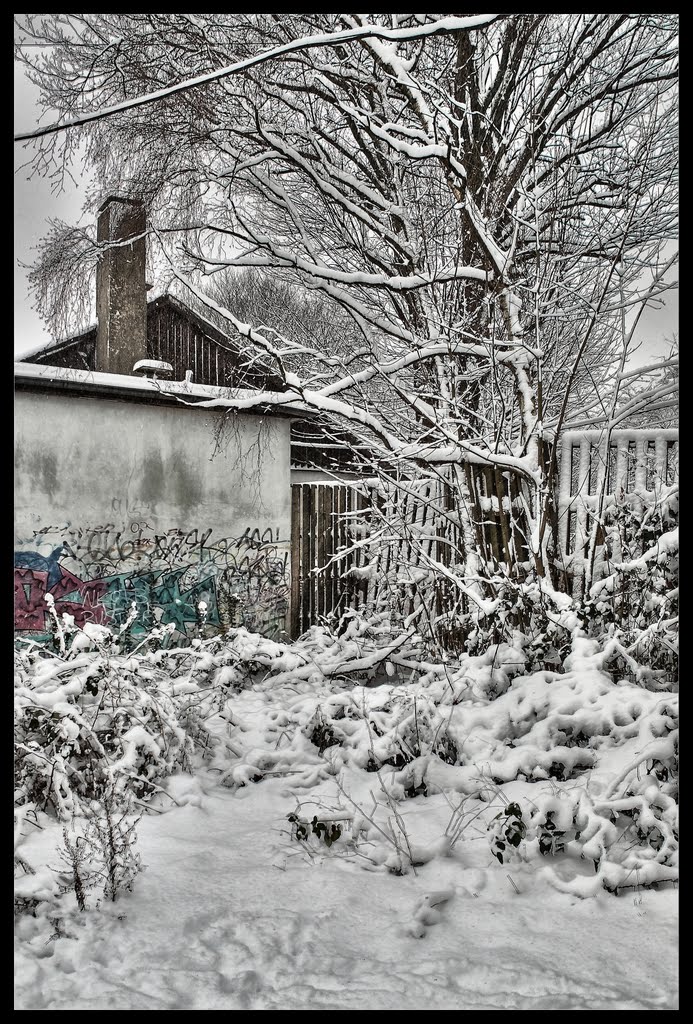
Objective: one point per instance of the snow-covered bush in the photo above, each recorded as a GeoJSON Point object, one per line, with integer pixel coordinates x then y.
{"type": "Point", "coordinates": [587, 756]}
{"type": "Point", "coordinates": [100, 851]}
{"type": "Point", "coordinates": [636, 598]}
{"type": "Point", "coordinates": [571, 767]}
{"type": "Point", "coordinates": [91, 723]}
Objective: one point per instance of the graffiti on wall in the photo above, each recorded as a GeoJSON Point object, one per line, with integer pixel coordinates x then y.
{"type": "Point", "coordinates": [94, 574]}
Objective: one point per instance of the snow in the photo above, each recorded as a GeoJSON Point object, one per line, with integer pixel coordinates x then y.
{"type": "Point", "coordinates": [227, 916]}
{"type": "Point", "coordinates": [28, 372]}
{"type": "Point", "coordinates": [406, 907]}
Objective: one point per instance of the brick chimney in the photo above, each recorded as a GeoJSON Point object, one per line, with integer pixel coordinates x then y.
{"type": "Point", "coordinates": [121, 291]}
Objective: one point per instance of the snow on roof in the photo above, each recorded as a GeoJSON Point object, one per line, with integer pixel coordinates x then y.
{"type": "Point", "coordinates": [116, 382]}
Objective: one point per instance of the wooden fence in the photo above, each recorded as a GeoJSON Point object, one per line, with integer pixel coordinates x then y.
{"type": "Point", "coordinates": [404, 531]}
{"type": "Point", "coordinates": [351, 545]}
{"type": "Point", "coordinates": [324, 528]}
{"type": "Point", "coordinates": [638, 466]}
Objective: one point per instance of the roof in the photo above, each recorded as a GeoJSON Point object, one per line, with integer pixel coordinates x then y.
{"type": "Point", "coordinates": [56, 345]}
{"type": "Point", "coordinates": [160, 301]}
{"type": "Point", "coordinates": [37, 376]}
{"type": "Point", "coordinates": [317, 442]}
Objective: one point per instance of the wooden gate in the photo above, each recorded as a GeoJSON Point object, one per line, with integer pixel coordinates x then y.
{"type": "Point", "coordinates": [325, 537]}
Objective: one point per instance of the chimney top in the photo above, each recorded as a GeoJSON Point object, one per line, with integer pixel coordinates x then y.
{"type": "Point", "coordinates": [153, 368]}
{"type": "Point", "coordinates": [119, 199]}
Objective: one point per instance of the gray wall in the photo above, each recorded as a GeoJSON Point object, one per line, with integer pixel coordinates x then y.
{"type": "Point", "coordinates": [118, 501]}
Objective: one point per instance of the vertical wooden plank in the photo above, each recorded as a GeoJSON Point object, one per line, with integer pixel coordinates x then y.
{"type": "Point", "coordinates": [328, 506]}
{"type": "Point", "coordinates": [581, 519]}
{"type": "Point", "coordinates": [503, 516]}
{"type": "Point", "coordinates": [335, 544]}
{"type": "Point", "coordinates": [651, 465]}
{"type": "Point", "coordinates": [313, 553]}
{"type": "Point", "coordinates": [640, 482]}
{"type": "Point", "coordinates": [339, 527]}
{"type": "Point", "coordinates": [424, 545]}
{"type": "Point", "coordinates": [169, 342]}
{"type": "Point", "coordinates": [518, 539]}
{"type": "Point", "coordinates": [409, 507]}
{"type": "Point", "coordinates": [295, 617]}
{"type": "Point", "coordinates": [388, 515]}
{"type": "Point", "coordinates": [354, 538]}
{"type": "Point", "coordinates": [564, 492]}
{"type": "Point", "coordinates": [355, 556]}
{"type": "Point", "coordinates": [474, 510]}
{"type": "Point", "coordinates": [443, 552]}
{"type": "Point", "coordinates": [152, 343]}
{"type": "Point", "coordinates": [631, 456]}
{"type": "Point", "coordinates": [660, 461]}
{"type": "Point", "coordinates": [490, 517]}
{"type": "Point", "coordinates": [621, 480]}
{"type": "Point", "coordinates": [363, 505]}
{"type": "Point", "coordinates": [672, 460]}
{"type": "Point", "coordinates": [611, 469]}
{"type": "Point", "coordinates": [594, 468]}
{"type": "Point", "coordinates": [305, 557]}
{"type": "Point", "coordinates": [371, 500]}
{"type": "Point", "coordinates": [640, 476]}
{"type": "Point", "coordinates": [321, 528]}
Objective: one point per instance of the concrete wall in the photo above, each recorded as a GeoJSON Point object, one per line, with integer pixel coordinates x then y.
{"type": "Point", "coordinates": [118, 501]}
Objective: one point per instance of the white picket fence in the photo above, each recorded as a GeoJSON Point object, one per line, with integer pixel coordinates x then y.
{"type": "Point", "coordinates": [638, 466]}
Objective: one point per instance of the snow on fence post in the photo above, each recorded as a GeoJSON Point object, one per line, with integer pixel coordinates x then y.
{"type": "Point", "coordinates": [640, 484]}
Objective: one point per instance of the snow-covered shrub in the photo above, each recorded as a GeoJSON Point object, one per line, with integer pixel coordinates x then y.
{"type": "Point", "coordinates": [588, 756]}
{"type": "Point", "coordinates": [592, 758]}
{"type": "Point", "coordinates": [111, 837]}
{"type": "Point", "coordinates": [86, 724]}
{"type": "Point", "coordinates": [320, 733]}
{"type": "Point", "coordinates": [77, 873]}
{"type": "Point", "coordinates": [632, 612]}
{"type": "Point", "coordinates": [636, 600]}
{"type": "Point", "coordinates": [327, 832]}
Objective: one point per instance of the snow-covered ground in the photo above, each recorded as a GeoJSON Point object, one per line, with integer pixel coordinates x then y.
{"type": "Point", "coordinates": [229, 915]}
{"type": "Point", "coordinates": [241, 908]}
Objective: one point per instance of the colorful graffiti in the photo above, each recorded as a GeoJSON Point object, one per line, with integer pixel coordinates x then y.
{"type": "Point", "coordinates": [95, 574]}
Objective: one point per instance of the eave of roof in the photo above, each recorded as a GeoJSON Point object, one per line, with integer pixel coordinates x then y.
{"type": "Point", "coordinates": [57, 345]}
{"type": "Point", "coordinates": [41, 377]}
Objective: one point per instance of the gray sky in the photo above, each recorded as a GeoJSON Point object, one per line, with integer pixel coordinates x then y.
{"type": "Point", "coordinates": [35, 204]}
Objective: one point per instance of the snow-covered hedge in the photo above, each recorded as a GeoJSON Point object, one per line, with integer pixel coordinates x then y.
{"type": "Point", "coordinates": [578, 766]}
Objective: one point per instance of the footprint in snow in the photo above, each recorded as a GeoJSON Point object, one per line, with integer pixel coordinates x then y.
{"type": "Point", "coordinates": [427, 912]}
{"type": "Point", "coordinates": [258, 960]}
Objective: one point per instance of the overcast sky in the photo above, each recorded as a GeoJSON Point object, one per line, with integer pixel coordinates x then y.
{"type": "Point", "coordinates": [35, 204]}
